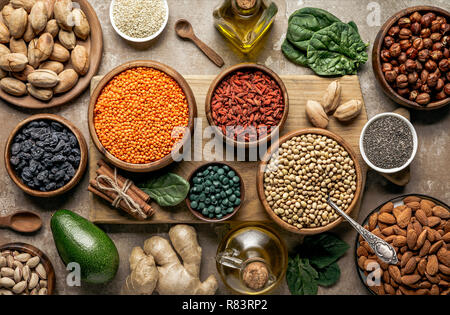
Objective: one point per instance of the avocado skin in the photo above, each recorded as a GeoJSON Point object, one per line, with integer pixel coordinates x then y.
{"type": "Point", "coordinates": [78, 240]}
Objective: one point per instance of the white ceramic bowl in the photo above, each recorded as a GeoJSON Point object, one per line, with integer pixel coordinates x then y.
{"type": "Point", "coordinates": [138, 40]}
{"type": "Point", "coordinates": [392, 170]}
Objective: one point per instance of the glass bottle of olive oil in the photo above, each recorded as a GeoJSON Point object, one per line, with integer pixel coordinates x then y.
{"type": "Point", "coordinates": [244, 22]}
{"type": "Point", "coordinates": [252, 259]}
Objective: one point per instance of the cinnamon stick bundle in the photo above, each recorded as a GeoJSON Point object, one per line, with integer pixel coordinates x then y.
{"type": "Point", "coordinates": [133, 193]}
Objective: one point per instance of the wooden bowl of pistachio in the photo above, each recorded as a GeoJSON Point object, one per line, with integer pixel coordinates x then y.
{"type": "Point", "coordinates": [25, 270]}
{"type": "Point", "coordinates": [299, 173]}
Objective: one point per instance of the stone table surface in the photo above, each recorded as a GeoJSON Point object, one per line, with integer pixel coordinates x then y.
{"type": "Point", "coordinates": [430, 170]}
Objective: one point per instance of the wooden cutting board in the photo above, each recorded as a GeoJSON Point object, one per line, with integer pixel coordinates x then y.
{"type": "Point", "coordinates": [301, 88]}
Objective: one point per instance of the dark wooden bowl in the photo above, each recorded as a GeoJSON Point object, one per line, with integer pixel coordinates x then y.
{"type": "Point", "coordinates": [149, 167]}
{"type": "Point", "coordinates": [221, 77]}
{"type": "Point", "coordinates": [94, 45]}
{"type": "Point", "coordinates": [81, 168]}
{"type": "Point", "coordinates": [263, 164]}
{"type": "Point", "coordinates": [30, 249]}
{"type": "Point", "coordinates": [377, 62]}
{"type": "Point", "coordinates": [236, 209]}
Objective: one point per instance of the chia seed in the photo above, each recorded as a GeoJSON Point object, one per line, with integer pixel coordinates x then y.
{"type": "Point", "coordinates": [388, 142]}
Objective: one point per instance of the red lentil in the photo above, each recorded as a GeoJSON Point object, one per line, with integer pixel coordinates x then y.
{"type": "Point", "coordinates": [136, 114]}
{"type": "Point", "coordinates": [250, 101]}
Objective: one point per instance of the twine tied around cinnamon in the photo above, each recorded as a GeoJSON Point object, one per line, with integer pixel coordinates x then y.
{"type": "Point", "coordinates": [121, 193]}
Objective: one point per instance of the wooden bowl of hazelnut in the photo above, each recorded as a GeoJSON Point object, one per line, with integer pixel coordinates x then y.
{"type": "Point", "coordinates": [411, 57]}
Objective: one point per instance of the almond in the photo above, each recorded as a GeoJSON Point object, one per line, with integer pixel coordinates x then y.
{"type": "Point", "coordinates": [395, 274]}
{"type": "Point", "coordinates": [443, 255]}
{"type": "Point", "coordinates": [389, 289]}
{"type": "Point", "coordinates": [361, 261]}
{"type": "Point", "coordinates": [405, 258]}
{"type": "Point", "coordinates": [427, 205]}
{"type": "Point", "coordinates": [67, 39]}
{"type": "Point", "coordinates": [398, 230]}
{"type": "Point", "coordinates": [414, 205]}
{"type": "Point", "coordinates": [13, 86]}
{"type": "Point", "coordinates": [388, 207]}
{"type": "Point", "coordinates": [18, 23]}
{"type": "Point", "coordinates": [441, 212]}
{"type": "Point", "coordinates": [373, 220]}
{"type": "Point", "coordinates": [38, 17]}
{"type": "Point", "coordinates": [410, 266]}
{"type": "Point", "coordinates": [421, 217]}
{"type": "Point", "coordinates": [316, 114]}
{"type": "Point", "coordinates": [82, 28]}
{"type": "Point", "coordinates": [348, 111]}
{"type": "Point", "coordinates": [433, 279]}
{"type": "Point", "coordinates": [421, 266]}
{"type": "Point", "coordinates": [361, 251]}
{"type": "Point", "coordinates": [434, 290]}
{"type": "Point", "coordinates": [54, 66]}
{"type": "Point", "coordinates": [13, 62]}
{"type": "Point", "coordinates": [332, 96]}
{"type": "Point", "coordinates": [67, 80]}
{"type": "Point", "coordinates": [433, 221]}
{"type": "Point", "coordinates": [5, 35]}
{"type": "Point", "coordinates": [40, 94]}
{"type": "Point", "coordinates": [59, 53]}
{"type": "Point", "coordinates": [399, 241]}
{"type": "Point", "coordinates": [410, 279]}
{"type": "Point", "coordinates": [43, 78]}
{"type": "Point", "coordinates": [411, 199]}
{"type": "Point", "coordinates": [404, 217]}
{"type": "Point", "coordinates": [425, 248]}
{"type": "Point", "coordinates": [34, 55]}
{"type": "Point", "coordinates": [411, 238]}
{"type": "Point", "coordinates": [386, 218]}
{"type": "Point", "coordinates": [446, 237]}
{"type": "Point", "coordinates": [45, 45]}
{"type": "Point", "coordinates": [388, 231]}
{"type": "Point", "coordinates": [424, 285]}
{"type": "Point", "coordinates": [52, 28]}
{"type": "Point", "coordinates": [444, 269]}
{"type": "Point", "coordinates": [80, 59]}
{"type": "Point", "coordinates": [416, 225]}
{"type": "Point", "coordinates": [432, 265]}
{"type": "Point", "coordinates": [421, 239]}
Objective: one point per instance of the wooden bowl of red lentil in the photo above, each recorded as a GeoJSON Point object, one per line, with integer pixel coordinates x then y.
{"type": "Point", "coordinates": [134, 112]}
{"type": "Point", "coordinates": [251, 98]}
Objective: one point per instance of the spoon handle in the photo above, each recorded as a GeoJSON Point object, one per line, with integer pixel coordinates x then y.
{"type": "Point", "coordinates": [5, 221]}
{"type": "Point", "coordinates": [381, 248]}
{"type": "Point", "coordinates": [209, 52]}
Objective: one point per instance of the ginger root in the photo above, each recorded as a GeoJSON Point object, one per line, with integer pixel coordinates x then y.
{"type": "Point", "coordinates": [169, 275]}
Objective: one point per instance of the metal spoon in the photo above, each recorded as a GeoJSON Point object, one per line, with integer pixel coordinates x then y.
{"type": "Point", "coordinates": [381, 248]}
{"type": "Point", "coordinates": [184, 29]}
{"type": "Point", "coordinates": [22, 222]}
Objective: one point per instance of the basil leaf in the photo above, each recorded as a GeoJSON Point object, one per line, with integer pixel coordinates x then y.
{"type": "Point", "coordinates": [336, 50]}
{"type": "Point", "coordinates": [167, 190]}
{"type": "Point", "coordinates": [304, 23]}
{"type": "Point", "coordinates": [329, 275]}
{"type": "Point", "coordinates": [324, 249]}
{"type": "Point", "coordinates": [301, 277]}
{"type": "Point", "coordinates": [293, 54]}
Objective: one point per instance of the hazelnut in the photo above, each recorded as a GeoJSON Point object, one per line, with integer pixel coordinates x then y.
{"type": "Point", "coordinates": [447, 89]}
{"type": "Point", "coordinates": [418, 43]}
{"type": "Point", "coordinates": [447, 76]}
{"type": "Point", "coordinates": [412, 78]}
{"type": "Point", "coordinates": [425, 21]}
{"type": "Point", "coordinates": [445, 28]}
{"type": "Point", "coordinates": [393, 31]}
{"type": "Point", "coordinates": [427, 43]}
{"type": "Point", "coordinates": [418, 85]}
{"type": "Point", "coordinates": [432, 80]}
{"type": "Point", "coordinates": [441, 95]}
{"type": "Point", "coordinates": [444, 65]}
{"type": "Point", "coordinates": [411, 53]}
{"type": "Point", "coordinates": [435, 37]}
{"type": "Point", "coordinates": [416, 28]}
{"type": "Point", "coordinates": [440, 84]}
{"type": "Point", "coordinates": [388, 41]}
{"type": "Point", "coordinates": [403, 92]}
{"type": "Point", "coordinates": [446, 53]}
{"type": "Point", "coordinates": [394, 63]}
{"type": "Point", "coordinates": [431, 15]}
{"type": "Point", "coordinates": [425, 33]}
{"type": "Point", "coordinates": [390, 76]}
{"type": "Point", "coordinates": [413, 95]}
{"type": "Point", "coordinates": [415, 17]}
{"type": "Point", "coordinates": [437, 46]}
{"type": "Point", "coordinates": [404, 22]}
{"type": "Point", "coordinates": [402, 81]}
{"type": "Point", "coordinates": [436, 55]}
{"type": "Point", "coordinates": [441, 19]}
{"type": "Point", "coordinates": [423, 99]}
{"type": "Point", "coordinates": [405, 44]}
{"type": "Point", "coordinates": [395, 50]}
{"type": "Point", "coordinates": [405, 33]}
{"type": "Point", "coordinates": [386, 67]}
{"type": "Point", "coordinates": [410, 65]}
{"type": "Point", "coordinates": [425, 88]}
{"type": "Point", "coordinates": [430, 65]}
{"type": "Point", "coordinates": [435, 26]}
{"type": "Point", "coordinates": [385, 55]}
{"type": "Point", "coordinates": [419, 66]}
{"type": "Point", "coordinates": [396, 69]}
{"type": "Point", "coordinates": [424, 75]}
{"type": "Point", "coordinates": [402, 58]}
{"type": "Point", "coordinates": [423, 55]}
{"type": "Point", "coordinates": [402, 69]}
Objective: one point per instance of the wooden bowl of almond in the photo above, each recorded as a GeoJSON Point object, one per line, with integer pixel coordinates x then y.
{"type": "Point", "coordinates": [49, 51]}
{"type": "Point", "coordinates": [25, 270]}
{"type": "Point", "coordinates": [418, 227]}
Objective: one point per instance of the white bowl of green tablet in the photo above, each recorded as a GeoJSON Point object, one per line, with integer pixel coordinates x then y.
{"type": "Point", "coordinates": [139, 21]}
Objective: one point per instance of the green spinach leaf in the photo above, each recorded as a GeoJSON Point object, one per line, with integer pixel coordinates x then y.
{"type": "Point", "coordinates": [304, 23]}
{"type": "Point", "coordinates": [293, 54]}
{"type": "Point", "coordinates": [301, 277]}
{"type": "Point", "coordinates": [167, 190]}
{"type": "Point", "coordinates": [336, 50]}
{"type": "Point", "coordinates": [324, 249]}
{"type": "Point", "coordinates": [329, 275]}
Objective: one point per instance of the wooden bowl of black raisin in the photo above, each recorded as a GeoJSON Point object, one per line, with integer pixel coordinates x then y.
{"type": "Point", "coordinates": [46, 155]}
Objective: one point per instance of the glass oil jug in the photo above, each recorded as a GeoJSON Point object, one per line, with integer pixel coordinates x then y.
{"type": "Point", "coordinates": [252, 259]}
{"type": "Point", "coordinates": [244, 22]}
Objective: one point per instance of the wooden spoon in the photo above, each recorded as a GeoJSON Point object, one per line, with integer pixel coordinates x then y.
{"type": "Point", "coordinates": [22, 222]}
{"type": "Point", "coordinates": [184, 29]}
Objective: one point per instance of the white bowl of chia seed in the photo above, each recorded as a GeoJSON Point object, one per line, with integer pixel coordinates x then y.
{"type": "Point", "coordinates": [139, 21]}
{"type": "Point", "coordinates": [388, 143]}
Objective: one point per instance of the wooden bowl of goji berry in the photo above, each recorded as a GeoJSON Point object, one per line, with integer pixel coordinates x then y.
{"type": "Point", "coordinates": [139, 114]}
{"type": "Point", "coordinates": [247, 104]}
